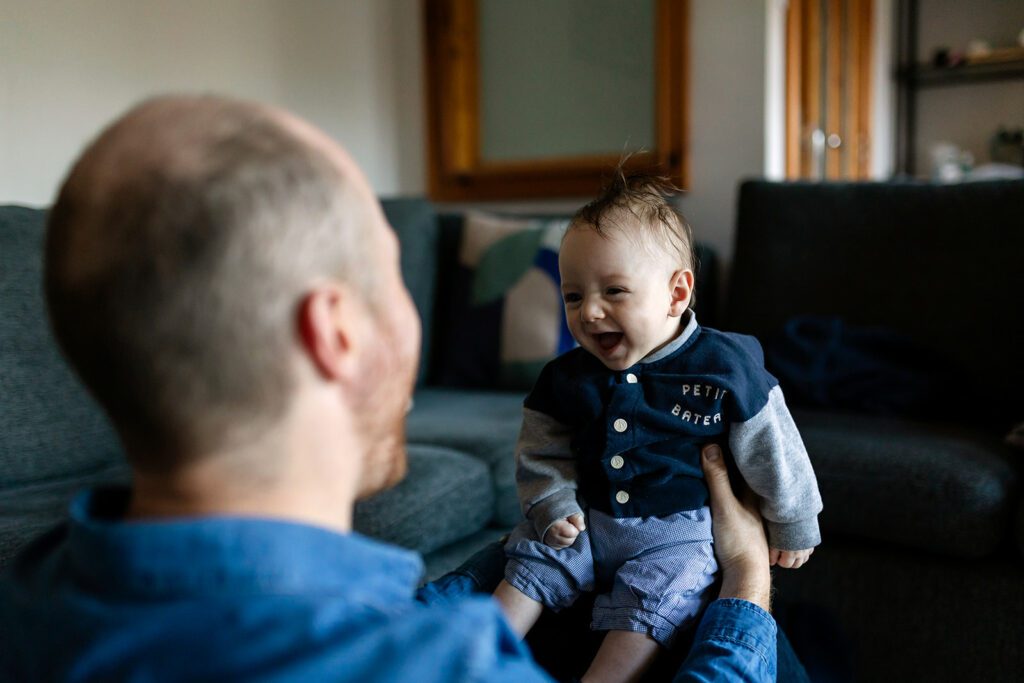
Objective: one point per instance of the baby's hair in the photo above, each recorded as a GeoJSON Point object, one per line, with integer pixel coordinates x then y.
{"type": "Point", "coordinates": [645, 196]}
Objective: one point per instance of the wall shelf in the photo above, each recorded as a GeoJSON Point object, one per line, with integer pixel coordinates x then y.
{"type": "Point", "coordinates": [927, 76]}
{"type": "Point", "coordinates": [912, 77]}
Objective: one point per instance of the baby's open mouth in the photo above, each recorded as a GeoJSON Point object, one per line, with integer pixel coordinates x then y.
{"type": "Point", "coordinates": [608, 340]}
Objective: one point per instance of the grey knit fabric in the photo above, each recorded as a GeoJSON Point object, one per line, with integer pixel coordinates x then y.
{"type": "Point", "coordinates": [415, 224]}
{"type": "Point", "coordinates": [484, 424]}
{"type": "Point", "coordinates": [27, 511]}
{"type": "Point", "coordinates": [445, 495]}
{"type": "Point", "coordinates": [50, 429]}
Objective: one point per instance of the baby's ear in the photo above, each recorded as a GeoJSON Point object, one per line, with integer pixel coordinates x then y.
{"type": "Point", "coordinates": [681, 286]}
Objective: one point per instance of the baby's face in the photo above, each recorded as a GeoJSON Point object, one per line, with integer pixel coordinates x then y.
{"type": "Point", "coordinates": [621, 300]}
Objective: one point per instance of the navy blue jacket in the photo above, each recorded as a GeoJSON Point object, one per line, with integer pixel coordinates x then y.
{"type": "Point", "coordinates": [635, 436]}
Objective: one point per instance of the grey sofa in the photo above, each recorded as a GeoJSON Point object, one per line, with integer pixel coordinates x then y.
{"type": "Point", "coordinates": [923, 523]}
{"type": "Point", "coordinates": [54, 440]}
{"type": "Point", "coordinates": [920, 573]}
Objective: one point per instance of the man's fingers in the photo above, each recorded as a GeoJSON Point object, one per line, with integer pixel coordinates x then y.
{"type": "Point", "coordinates": [716, 475]}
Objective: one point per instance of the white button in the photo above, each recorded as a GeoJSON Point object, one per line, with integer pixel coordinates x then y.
{"type": "Point", "coordinates": [631, 378]}
{"type": "Point", "coordinates": [617, 462]}
{"type": "Point", "coordinates": [622, 497]}
{"type": "Point", "coordinates": [620, 425]}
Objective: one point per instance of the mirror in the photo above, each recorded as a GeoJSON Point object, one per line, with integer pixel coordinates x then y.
{"type": "Point", "coordinates": [539, 99]}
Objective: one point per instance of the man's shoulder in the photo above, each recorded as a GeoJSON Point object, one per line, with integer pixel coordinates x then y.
{"type": "Point", "coordinates": [283, 637]}
{"type": "Point", "coordinates": [466, 640]}
{"type": "Point", "coordinates": [463, 640]}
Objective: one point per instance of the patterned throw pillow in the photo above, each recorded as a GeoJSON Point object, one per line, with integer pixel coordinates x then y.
{"type": "Point", "coordinates": [506, 319]}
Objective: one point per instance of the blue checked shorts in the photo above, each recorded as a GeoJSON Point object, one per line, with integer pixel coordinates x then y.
{"type": "Point", "coordinates": [654, 571]}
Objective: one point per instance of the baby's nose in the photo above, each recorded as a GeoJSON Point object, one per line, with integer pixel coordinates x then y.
{"type": "Point", "coordinates": [591, 310]}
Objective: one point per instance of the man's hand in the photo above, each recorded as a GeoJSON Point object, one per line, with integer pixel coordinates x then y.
{"type": "Point", "coordinates": [789, 559]}
{"type": "Point", "coordinates": [563, 533]}
{"type": "Point", "coordinates": [740, 542]}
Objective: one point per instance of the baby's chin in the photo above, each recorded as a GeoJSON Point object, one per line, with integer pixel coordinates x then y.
{"type": "Point", "coordinates": [618, 364]}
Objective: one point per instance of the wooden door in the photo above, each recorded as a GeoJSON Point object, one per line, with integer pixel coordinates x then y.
{"type": "Point", "coordinates": [828, 89]}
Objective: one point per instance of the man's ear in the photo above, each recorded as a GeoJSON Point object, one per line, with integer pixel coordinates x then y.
{"type": "Point", "coordinates": [329, 320]}
{"type": "Point", "coordinates": [681, 286]}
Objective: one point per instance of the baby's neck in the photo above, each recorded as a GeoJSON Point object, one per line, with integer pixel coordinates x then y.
{"type": "Point", "coordinates": [671, 335]}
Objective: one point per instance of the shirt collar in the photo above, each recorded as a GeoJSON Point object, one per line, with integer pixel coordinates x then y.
{"type": "Point", "coordinates": [227, 556]}
{"type": "Point", "coordinates": [689, 324]}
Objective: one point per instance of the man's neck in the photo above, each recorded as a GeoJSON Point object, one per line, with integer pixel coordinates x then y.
{"type": "Point", "coordinates": [167, 497]}
{"type": "Point", "coordinates": [297, 479]}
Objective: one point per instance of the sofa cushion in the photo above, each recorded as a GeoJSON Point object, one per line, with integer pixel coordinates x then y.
{"type": "Point", "coordinates": [935, 487]}
{"type": "Point", "coordinates": [415, 224]}
{"type": "Point", "coordinates": [27, 511]}
{"type": "Point", "coordinates": [446, 495]}
{"type": "Point", "coordinates": [50, 428]}
{"type": "Point", "coordinates": [484, 424]}
{"type": "Point", "coordinates": [504, 317]}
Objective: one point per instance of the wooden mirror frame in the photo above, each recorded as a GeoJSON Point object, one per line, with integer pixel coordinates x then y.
{"type": "Point", "coordinates": [455, 169]}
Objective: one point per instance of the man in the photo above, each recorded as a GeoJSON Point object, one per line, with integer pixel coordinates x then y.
{"type": "Point", "coordinates": [221, 277]}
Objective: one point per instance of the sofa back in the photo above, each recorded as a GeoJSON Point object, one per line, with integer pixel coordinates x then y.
{"type": "Point", "coordinates": [941, 264]}
{"type": "Point", "coordinates": [50, 428]}
{"type": "Point", "coordinates": [416, 225]}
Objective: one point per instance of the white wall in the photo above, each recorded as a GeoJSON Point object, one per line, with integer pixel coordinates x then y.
{"type": "Point", "coordinates": [352, 67]}
{"type": "Point", "coordinates": [727, 112]}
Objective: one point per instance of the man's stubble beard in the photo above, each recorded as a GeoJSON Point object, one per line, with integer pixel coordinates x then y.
{"type": "Point", "coordinates": [382, 403]}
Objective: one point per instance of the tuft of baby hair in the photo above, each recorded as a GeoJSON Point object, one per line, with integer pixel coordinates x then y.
{"type": "Point", "coordinates": [638, 203]}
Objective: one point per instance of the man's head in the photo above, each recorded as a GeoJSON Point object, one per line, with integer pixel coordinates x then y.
{"type": "Point", "coordinates": [626, 266]}
{"type": "Point", "coordinates": [205, 258]}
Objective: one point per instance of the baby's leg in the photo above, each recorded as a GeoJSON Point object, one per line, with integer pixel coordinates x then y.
{"type": "Point", "coordinates": [624, 657]}
{"type": "Point", "coordinates": [539, 576]}
{"type": "Point", "coordinates": [521, 611]}
{"type": "Point", "coordinates": [659, 589]}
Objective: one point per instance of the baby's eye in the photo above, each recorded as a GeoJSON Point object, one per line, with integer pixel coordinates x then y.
{"type": "Point", "coordinates": [571, 298]}
{"type": "Point", "coordinates": [615, 291]}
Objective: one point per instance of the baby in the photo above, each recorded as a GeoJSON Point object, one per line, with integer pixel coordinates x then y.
{"type": "Point", "coordinates": [608, 460]}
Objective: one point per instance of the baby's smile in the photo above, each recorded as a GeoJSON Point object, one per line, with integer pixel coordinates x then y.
{"type": "Point", "coordinates": [608, 340]}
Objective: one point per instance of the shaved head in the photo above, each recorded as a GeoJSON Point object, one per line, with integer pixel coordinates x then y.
{"type": "Point", "coordinates": [178, 248]}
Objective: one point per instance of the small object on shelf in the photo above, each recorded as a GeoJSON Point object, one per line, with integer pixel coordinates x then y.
{"type": "Point", "coordinates": [949, 162]}
{"type": "Point", "coordinates": [997, 56]}
{"type": "Point", "coordinates": [1007, 146]}
{"type": "Point", "coordinates": [978, 48]}
{"type": "Point", "coordinates": [944, 58]}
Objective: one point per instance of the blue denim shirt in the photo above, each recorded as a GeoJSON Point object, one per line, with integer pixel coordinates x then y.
{"type": "Point", "coordinates": [223, 598]}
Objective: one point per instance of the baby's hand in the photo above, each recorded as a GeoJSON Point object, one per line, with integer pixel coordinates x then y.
{"type": "Point", "coordinates": [789, 559]}
{"type": "Point", "coordinates": [563, 533]}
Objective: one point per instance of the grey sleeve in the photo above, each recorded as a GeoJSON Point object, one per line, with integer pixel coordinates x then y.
{"type": "Point", "coordinates": [545, 471]}
{"type": "Point", "coordinates": [772, 459]}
